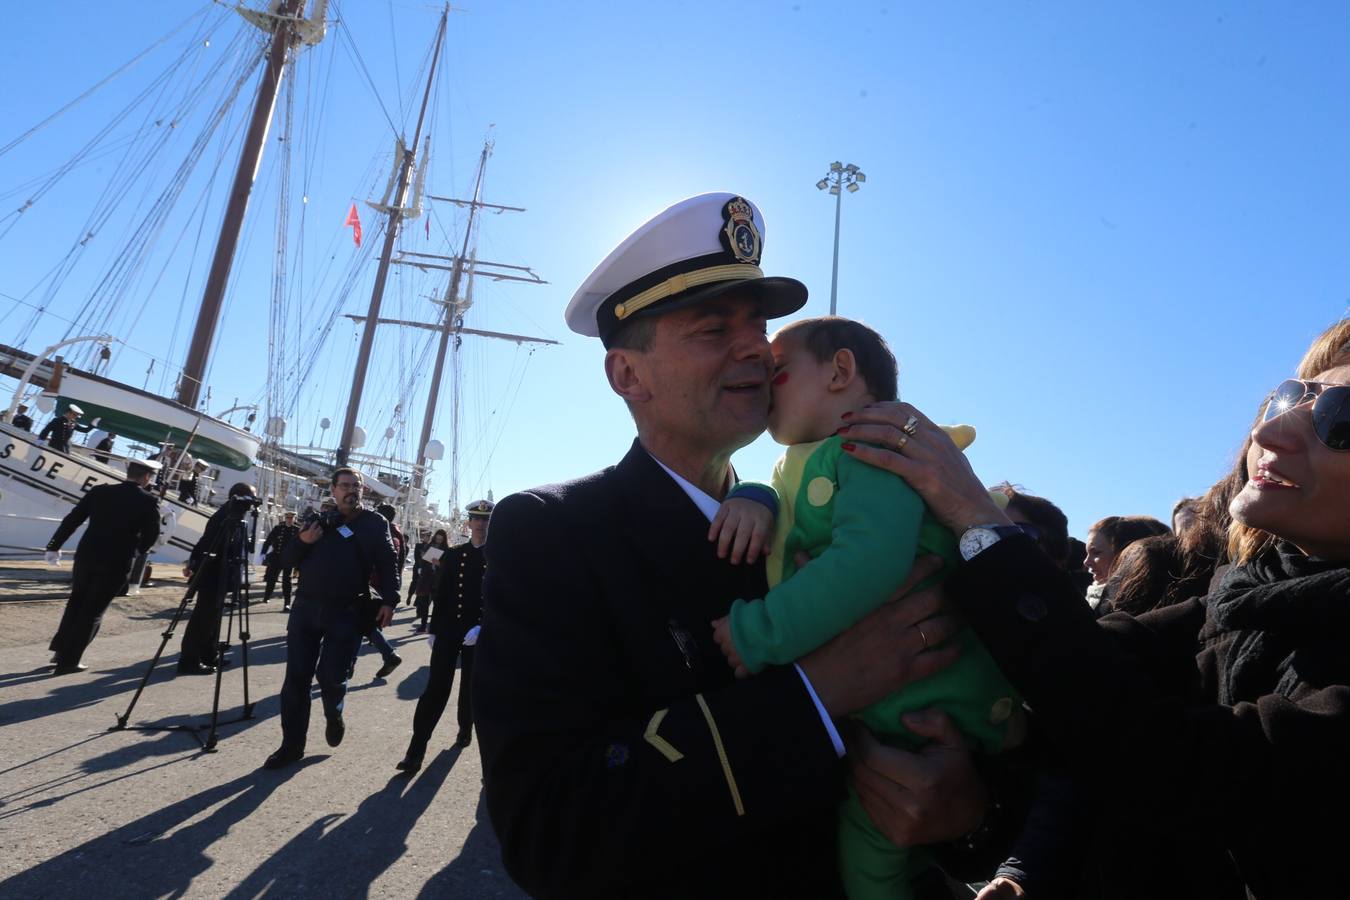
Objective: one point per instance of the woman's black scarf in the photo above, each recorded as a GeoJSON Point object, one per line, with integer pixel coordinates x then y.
{"type": "Point", "coordinates": [1280, 621]}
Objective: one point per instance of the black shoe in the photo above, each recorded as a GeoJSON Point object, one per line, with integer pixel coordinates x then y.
{"type": "Point", "coordinates": [283, 757]}
{"type": "Point", "coordinates": [286, 608]}
{"type": "Point", "coordinates": [420, 629]}
{"type": "Point", "coordinates": [195, 669]}
{"type": "Point", "coordinates": [336, 730]}
{"type": "Point", "coordinates": [69, 668]}
{"type": "Point", "coordinates": [464, 738]}
{"type": "Point", "coordinates": [390, 664]}
{"type": "Point", "coordinates": [412, 760]}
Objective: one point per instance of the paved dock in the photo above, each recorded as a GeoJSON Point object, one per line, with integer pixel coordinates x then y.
{"type": "Point", "coordinates": [89, 812]}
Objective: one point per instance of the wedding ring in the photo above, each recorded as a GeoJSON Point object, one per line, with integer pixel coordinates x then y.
{"type": "Point", "coordinates": [923, 637]}
{"type": "Point", "coordinates": [911, 426]}
{"type": "Point", "coordinates": [900, 444]}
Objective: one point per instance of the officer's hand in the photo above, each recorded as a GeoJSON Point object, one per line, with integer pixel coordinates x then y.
{"type": "Point", "coordinates": [54, 557]}
{"type": "Point", "coordinates": [311, 534]}
{"type": "Point", "coordinates": [384, 617]}
{"type": "Point", "coordinates": [1001, 888]}
{"type": "Point", "coordinates": [933, 794]}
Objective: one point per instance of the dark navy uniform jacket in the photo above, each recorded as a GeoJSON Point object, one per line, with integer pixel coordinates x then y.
{"type": "Point", "coordinates": [58, 431]}
{"type": "Point", "coordinates": [123, 521]}
{"type": "Point", "coordinates": [621, 757]}
{"type": "Point", "coordinates": [277, 540]}
{"type": "Point", "coordinates": [459, 594]}
{"type": "Point", "coordinates": [336, 568]}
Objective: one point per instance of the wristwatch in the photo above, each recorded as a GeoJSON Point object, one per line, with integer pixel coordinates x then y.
{"type": "Point", "coordinates": [978, 538]}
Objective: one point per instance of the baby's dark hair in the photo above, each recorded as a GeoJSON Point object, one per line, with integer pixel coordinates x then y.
{"type": "Point", "coordinates": [824, 336]}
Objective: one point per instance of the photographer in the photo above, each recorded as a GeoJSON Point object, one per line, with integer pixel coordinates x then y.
{"type": "Point", "coordinates": [214, 569]}
{"type": "Point", "coordinates": [336, 555]}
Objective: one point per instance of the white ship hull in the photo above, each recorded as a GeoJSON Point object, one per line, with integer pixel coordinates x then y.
{"type": "Point", "coordinates": [39, 486]}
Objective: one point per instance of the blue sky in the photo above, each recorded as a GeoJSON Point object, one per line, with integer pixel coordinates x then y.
{"type": "Point", "coordinates": [1097, 233]}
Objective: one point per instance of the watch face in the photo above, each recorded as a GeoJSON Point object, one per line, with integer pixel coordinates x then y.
{"type": "Point", "coordinates": [976, 539]}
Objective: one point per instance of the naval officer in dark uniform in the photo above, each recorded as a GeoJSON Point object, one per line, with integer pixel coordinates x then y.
{"type": "Point", "coordinates": [123, 521]}
{"type": "Point", "coordinates": [273, 549]}
{"type": "Point", "coordinates": [456, 611]}
{"type": "Point", "coordinates": [621, 757]}
{"type": "Point", "coordinates": [59, 431]}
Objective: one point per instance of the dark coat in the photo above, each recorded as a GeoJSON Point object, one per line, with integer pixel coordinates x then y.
{"type": "Point", "coordinates": [459, 594]}
{"type": "Point", "coordinates": [22, 420]}
{"type": "Point", "coordinates": [603, 704]}
{"type": "Point", "coordinates": [123, 521]}
{"type": "Point", "coordinates": [58, 431]}
{"type": "Point", "coordinates": [1138, 705]}
{"type": "Point", "coordinates": [336, 569]}
{"type": "Point", "coordinates": [223, 543]}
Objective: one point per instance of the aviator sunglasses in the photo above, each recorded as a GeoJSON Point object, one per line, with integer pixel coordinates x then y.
{"type": "Point", "coordinates": [1330, 411]}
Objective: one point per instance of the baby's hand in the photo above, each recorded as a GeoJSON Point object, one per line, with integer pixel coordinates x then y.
{"type": "Point", "coordinates": [742, 527]}
{"type": "Point", "coordinates": [722, 634]}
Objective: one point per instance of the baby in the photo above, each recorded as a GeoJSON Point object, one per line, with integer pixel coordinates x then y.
{"type": "Point", "coordinates": [863, 529]}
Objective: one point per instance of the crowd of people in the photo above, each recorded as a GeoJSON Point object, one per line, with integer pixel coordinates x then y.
{"type": "Point", "coordinates": [870, 675]}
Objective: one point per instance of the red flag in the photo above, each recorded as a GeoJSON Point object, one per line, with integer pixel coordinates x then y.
{"type": "Point", "coordinates": [355, 221]}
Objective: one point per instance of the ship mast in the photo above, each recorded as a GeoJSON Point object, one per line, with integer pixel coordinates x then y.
{"type": "Point", "coordinates": [287, 28]}
{"type": "Point", "coordinates": [451, 314]}
{"type": "Point", "coordinates": [382, 274]}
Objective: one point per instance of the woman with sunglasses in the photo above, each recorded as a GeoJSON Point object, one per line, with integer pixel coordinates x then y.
{"type": "Point", "coordinates": [1220, 724]}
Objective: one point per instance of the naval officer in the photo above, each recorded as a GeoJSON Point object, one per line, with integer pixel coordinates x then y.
{"type": "Point", "coordinates": [456, 614]}
{"type": "Point", "coordinates": [123, 521]}
{"type": "Point", "coordinates": [621, 757]}
{"type": "Point", "coordinates": [60, 430]}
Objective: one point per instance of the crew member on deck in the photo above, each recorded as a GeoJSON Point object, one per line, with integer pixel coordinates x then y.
{"type": "Point", "coordinates": [58, 432]}
{"type": "Point", "coordinates": [22, 419]}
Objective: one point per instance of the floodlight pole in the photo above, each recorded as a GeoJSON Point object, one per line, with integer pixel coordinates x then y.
{"type": "Point", "coordinates": [839, 178]}
{"type": "Point", "coordinates": [834, 276]}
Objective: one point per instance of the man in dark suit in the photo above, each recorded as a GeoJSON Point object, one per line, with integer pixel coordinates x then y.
{"type": "Point", "coordinates": [456, 614]}
{"type": "Point", "coordinates": [621, 757]}
{"type": "Point", "coordinates": [123, 521]}
{"type": "Point", "coordinates": [59, 431]}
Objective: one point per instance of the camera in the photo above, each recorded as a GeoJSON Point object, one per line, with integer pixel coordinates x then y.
{"type": "Point", "coordinates": [327, 520]}
{"type": "Point", "coordinates": [245, 502]}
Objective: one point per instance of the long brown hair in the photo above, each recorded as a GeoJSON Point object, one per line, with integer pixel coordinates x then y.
{"type": "Point", "coordinates": [1329, 351]}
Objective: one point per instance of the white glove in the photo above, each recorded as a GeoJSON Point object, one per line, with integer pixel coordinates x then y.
{"type": "Point", "coordinates": [431, 641]}
{"type": "Point", "coordinates": [471, 636]}
{"type": "Point", "coordinates": [54, 557]}
{"type": "Point", "coordinates": [94, 424]}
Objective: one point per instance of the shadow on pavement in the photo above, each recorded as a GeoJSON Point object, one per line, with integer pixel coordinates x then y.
{"type": "Point", "coordinates": [477, 871]}
{"type": "Point", "coordinates": [86, 688]}
{"type": "Point", "coordinates": [318, 862]}
{"type": "Point", "coordinates": [142, 858]}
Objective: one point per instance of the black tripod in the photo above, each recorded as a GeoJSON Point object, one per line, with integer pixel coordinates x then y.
{"type": "Point", "coordinates": [222, 549]}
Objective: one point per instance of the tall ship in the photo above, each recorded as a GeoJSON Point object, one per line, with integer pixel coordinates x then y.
{"type": "Point", "coordinates": [235, 117]}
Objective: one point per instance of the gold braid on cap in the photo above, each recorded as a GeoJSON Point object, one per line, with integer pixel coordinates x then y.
{"type": "Point", "coordinates": [678, 284]}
